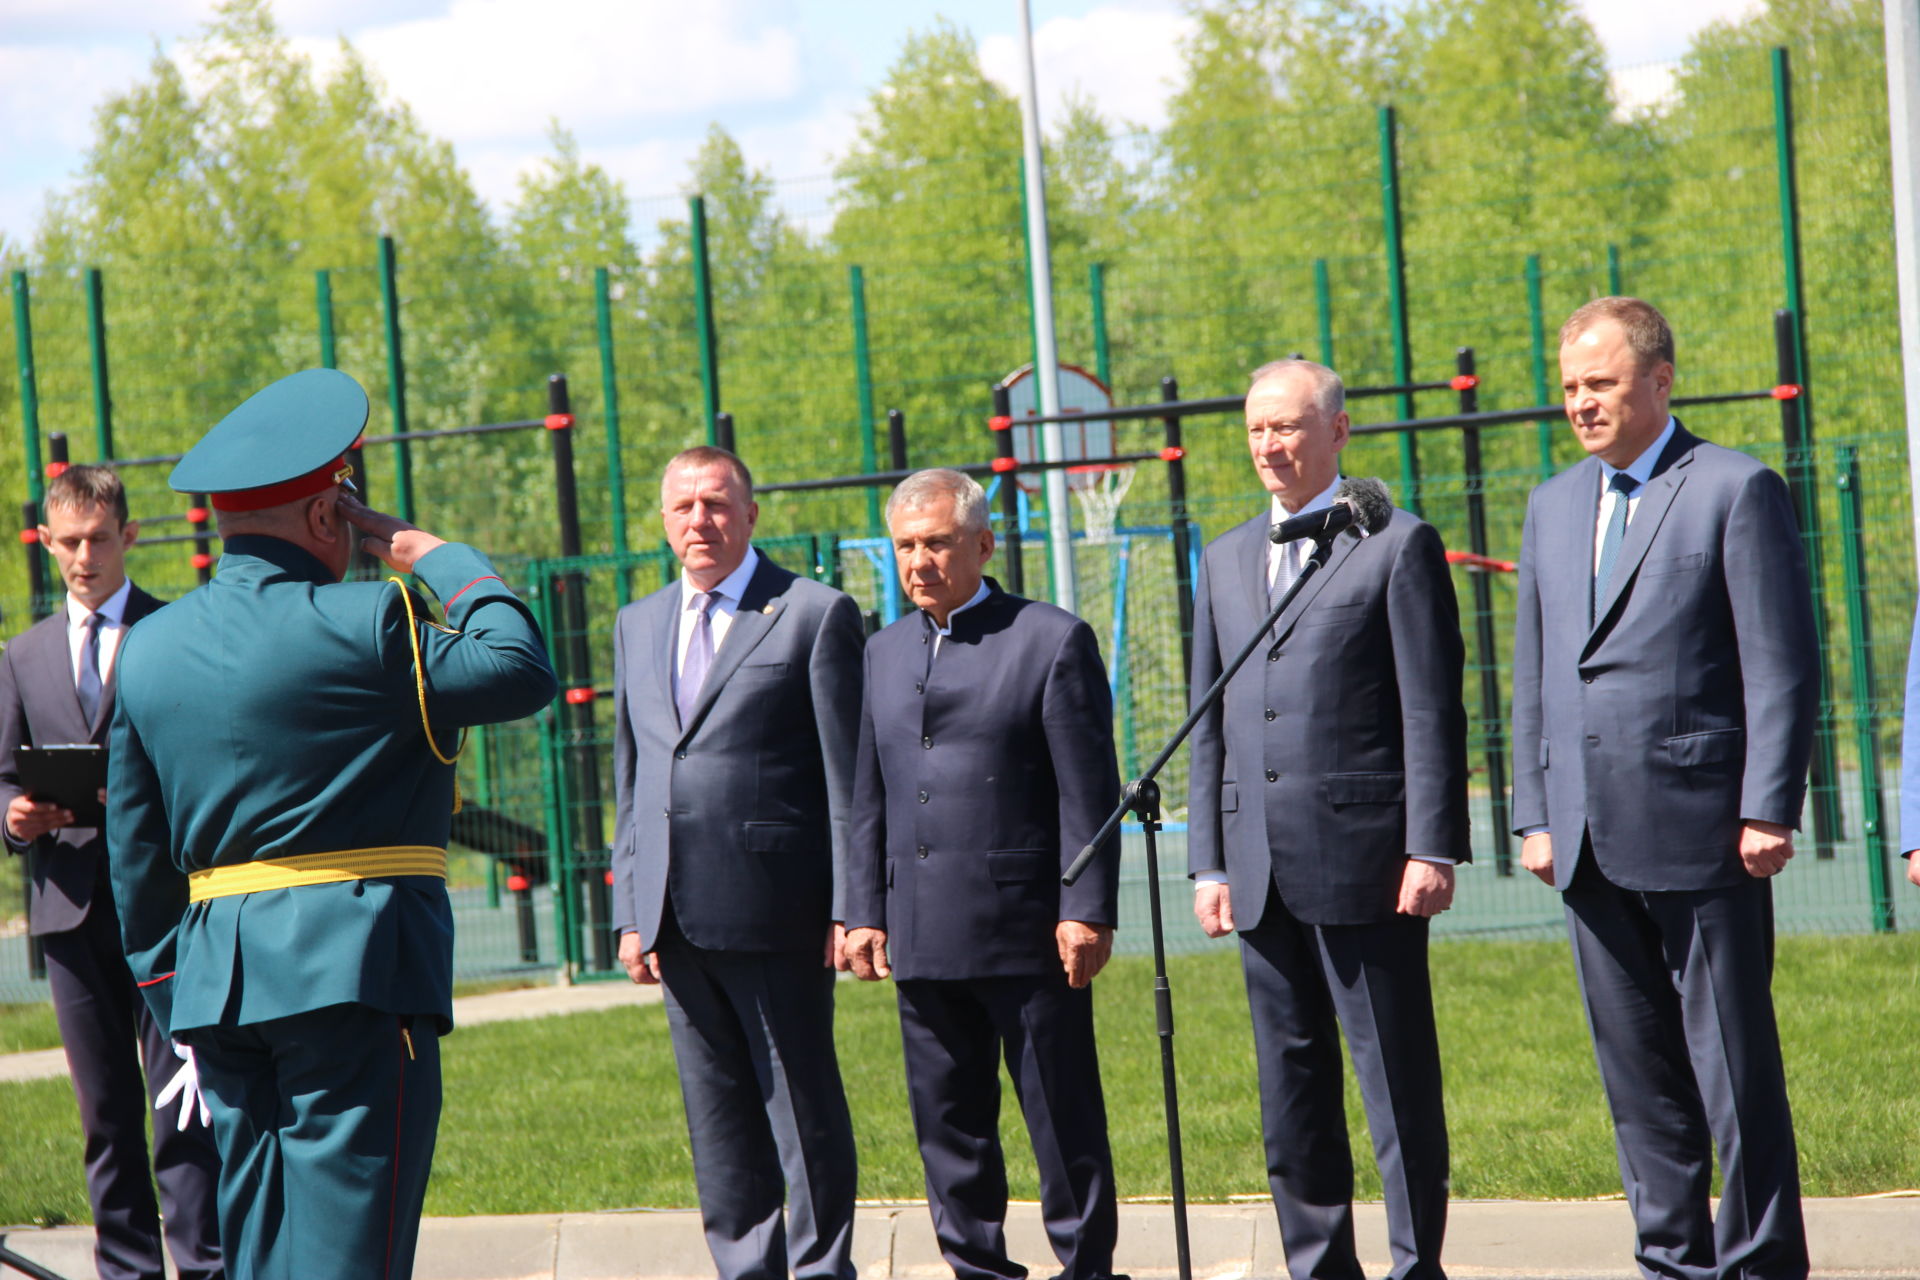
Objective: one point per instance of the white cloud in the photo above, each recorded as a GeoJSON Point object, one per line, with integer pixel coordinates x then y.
{"type": "Point", "coordinates": [1637, 32]}
{"type": "Point", "coordinates": [1125, 57]}
{"type": "Point", "coordinates": [487, 70]}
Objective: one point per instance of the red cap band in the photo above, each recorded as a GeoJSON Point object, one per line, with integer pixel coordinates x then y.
{"type": "Point", "coordinates": [274, 495]}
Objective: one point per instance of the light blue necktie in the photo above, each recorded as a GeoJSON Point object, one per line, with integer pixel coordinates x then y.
{"type": "Point", "coordinates": [693, 671]}
{"type": "Point", "coordinates": [1623, 486]}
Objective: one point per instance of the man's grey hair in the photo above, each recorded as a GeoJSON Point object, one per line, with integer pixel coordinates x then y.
{"type": "Point", "coordinates": [925, 487]}
{"type": "Point", "coordinates": [1329, 392]}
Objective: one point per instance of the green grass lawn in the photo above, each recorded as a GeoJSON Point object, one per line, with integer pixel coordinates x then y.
{"type": "Point", "coordinates": [583, 1111]}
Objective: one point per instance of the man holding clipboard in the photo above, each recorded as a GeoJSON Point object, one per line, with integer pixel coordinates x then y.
{"type": "Point", "coordinates": [56, 701]}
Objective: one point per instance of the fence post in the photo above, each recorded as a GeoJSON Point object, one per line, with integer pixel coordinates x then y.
{"type": "Point", "coordinates": [199, 519]}
{"type": "Point", "coordinates": [703, 315]}
{"type": "Point", "coordinates": [1397, 303]}
{"type": "Point", "coordinates": [1492, 723]}
{"type": "Point", "coordinates": [1323, 310]}
{"type": "Point", "coordinates": [396, 383]}
{"type": "Point", "coordinates": [1866, 728]}
{"type": "Point", "coordinates": [1102, 351]}
{"type": "Point", "coordinates": [722, 433]}
{"type": "Point", "coordinates": [544, 583]}
{"type": "Point", "coordinates": [1537, 316]}
{"type": "Point", "coordinates": [30, 438]}
{"type": "Point", "coordinates": [323, 314]}
{"type": "Point", "coordinates": [583, 757]}
{"type": "Point", "coordinates": [97, 353]}
{"type": "Point", "coordinates": [863, 393]}
{"type": "Point", "coordinates": [1175, 453]}
{"type": "Point", "coordinates": [1828, 821]}
{"type": "Point", "coordinates": [610, 421]}
{"type": "Point", "coordinates": [1614, 286]}
{"type": "Point", "coordinates": [1004, 467]}
{"type": "Point", "coordinates": [897, 439]}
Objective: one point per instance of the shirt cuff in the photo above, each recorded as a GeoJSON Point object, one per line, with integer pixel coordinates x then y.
{"type": "Point", "coordinates": [1540, 830]}
{"type": "Point", "coordinates": [1433, 858]}
{"type": "Point", "coordinates": [1208, 877]}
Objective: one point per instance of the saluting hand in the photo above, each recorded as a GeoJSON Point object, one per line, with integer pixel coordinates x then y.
{"type": "Point", "coordinates": [867, 954]}
{"type": "Point", "coordinates": [391, 540]}
{"type": "Point", "coordinates": [1084, 949]}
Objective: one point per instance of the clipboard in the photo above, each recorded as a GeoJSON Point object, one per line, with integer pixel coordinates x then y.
{"type": "Point", "coordinates": [69, 775]}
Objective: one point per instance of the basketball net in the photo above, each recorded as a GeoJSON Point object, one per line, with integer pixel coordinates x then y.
{"type": "Point", "coordinates": [1100, 488]}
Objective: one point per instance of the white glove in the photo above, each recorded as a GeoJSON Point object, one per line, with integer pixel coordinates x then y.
{"type": "Point", "coordinates": [186, 1085]}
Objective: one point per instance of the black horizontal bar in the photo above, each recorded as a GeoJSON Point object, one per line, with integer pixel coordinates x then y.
{"type": "Point", "coordinates": [1216, 404]}
{"type": "Point", "coordinates": [209, 535]}
{"type": "Point", "coordinates": [880, 478]}
{"type": "Point", "coordinates": [485, 428]}
{"type": "Point", "coordinates": [1501, 417]}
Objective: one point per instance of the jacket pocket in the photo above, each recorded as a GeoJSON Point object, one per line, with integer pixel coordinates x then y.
{"type": "Point", "coordinates": [760, 671]}
{"type": "Point", "coordinates": [1010, 866]}
{"type": "Point", "coordinates": [1229, 797]}
{"type": "Point", "coordinates": [1334, 615]}
{"type": "Point", "coordinates": [773, 837]}
{"type": "Point", "coordinates": [1715, 746]}
{"type": "Point", "coordinates": [1673, 564]}
{"type": "Point", "coordinates": [1365, 788]}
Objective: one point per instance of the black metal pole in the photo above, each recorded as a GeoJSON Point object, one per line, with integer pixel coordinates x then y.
{"type": "Point", "coordinates": [723, 432]}
{"type": "Point", "coordinates": [37, 604]}
{"type": "Point", "coordinates": [1003, 461]}
{"type": "Point", "coordinates": [1143, 797]}
{"type": "Point", "coordinates": [1492, 724]}
{"type": "Point", "coordinates": [25, 1266]}
{"type": "Point", "coordinates": [1175, 455]}
{"type": "Point", "coordinates": [1824, 791]}
{"type": "Point", "coordinates": [583, 751]}
{"type": "Point", "coordinates": [56, 453]}
{"type": "Point", "coordinates": [897, 439]}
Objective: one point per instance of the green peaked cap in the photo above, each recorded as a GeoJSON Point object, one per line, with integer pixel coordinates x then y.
{"type": "Point", "coordinates": [283, 431]}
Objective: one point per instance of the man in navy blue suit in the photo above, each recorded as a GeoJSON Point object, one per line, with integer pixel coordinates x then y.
{"type": "Point", "coordinates": [985, 765]}
{"type": "Point", "coordinates": [1665, 691]}
{"type": "Point", "coordinates": [1910, 764]}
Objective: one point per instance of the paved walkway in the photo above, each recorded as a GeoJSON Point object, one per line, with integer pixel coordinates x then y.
{"type": "Point", "coordinates": [1588, 1240]}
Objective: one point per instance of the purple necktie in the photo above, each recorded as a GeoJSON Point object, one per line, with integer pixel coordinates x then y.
{"type": "Point", "coordinates": [693, 671]}
{"type": "Point", "coordinates": [88, 685]}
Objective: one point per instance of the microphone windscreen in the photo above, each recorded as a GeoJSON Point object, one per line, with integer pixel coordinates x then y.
{"type": "Point", "coordinates": [1371, 502]}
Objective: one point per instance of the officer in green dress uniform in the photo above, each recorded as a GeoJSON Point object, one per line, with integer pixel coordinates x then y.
{"type": "Point", "coordinates": [280, 793]}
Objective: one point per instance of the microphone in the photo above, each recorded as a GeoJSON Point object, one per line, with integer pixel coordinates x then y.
{"type": "Point", "coordinates": [1360, 501]}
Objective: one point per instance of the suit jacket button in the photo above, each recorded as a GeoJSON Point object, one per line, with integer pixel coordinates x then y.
{"type": "Point", "coordinates": [919, 687]}
{"type": "Point", "coordinates": [927, 742]}
{"type": "Point", "coordinates": [666, 813]}
{"type": "Point", "coordinates": [679, 755]}
{"type": "Point", "coordinates": [922, 851]}
{"type": "Point", "coordinates": [1273, 655]}
{"type": "Point", "coordinates": [1270, 713]}
{"type": "Point", "coordinates": [923, 797]}
{"type": "Point", "coordinates": [1272, 776]}
{"type": "Point", "coordinates": [1586, 679]}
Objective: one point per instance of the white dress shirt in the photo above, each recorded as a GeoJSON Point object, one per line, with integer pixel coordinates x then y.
{"type": "Point", "coordinates": [1641, 469]}
{"type": "Point", "coordinates": [726, 599]}
{"type": "Point", "coordinates": [113, 629]}
{"type": "Point", "coordinates": [941, 633]}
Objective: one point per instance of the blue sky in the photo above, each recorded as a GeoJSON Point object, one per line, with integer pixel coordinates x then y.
{"type": "Point", "coordinates": [638, 81]}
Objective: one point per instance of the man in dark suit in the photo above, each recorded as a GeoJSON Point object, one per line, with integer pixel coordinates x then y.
{"type": "Point", "coordinates": [1665, 688]}
{"type": "Point", "coordinates": [1327, 809]}
{"type": "Point", "coordinates": [1910, 762]}
{"type": "Point", "coordinates": [736, 704]}
{"type": "Point", "coordinates": [56, 686]}
{"type": "Point", "coordinates": [986, 763]}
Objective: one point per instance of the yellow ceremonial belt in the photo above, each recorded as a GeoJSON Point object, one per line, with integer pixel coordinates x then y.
{"type": "Point", "coordinates": [316, 868]}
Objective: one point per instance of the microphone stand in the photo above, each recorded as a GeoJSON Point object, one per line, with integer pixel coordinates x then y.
{"type": "Point", "coordinates": [1142, 797]}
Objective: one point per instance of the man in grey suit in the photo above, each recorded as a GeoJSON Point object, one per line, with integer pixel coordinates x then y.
{"type": "Point", "coordinates": [1327, 810]}
{"type": "Point", "coordinates": [56, 686]}
{"type": "Point", "coordinates": [1910, 762]}
{"type": "Point", "coordinates": [1664, 693]}
{"type": "Point", "coordinates": [736, 706]}
{"type": "Point", "coordinates": [986, 763]}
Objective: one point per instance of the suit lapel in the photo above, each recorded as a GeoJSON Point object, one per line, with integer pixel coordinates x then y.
{"type": "Point", "coordinates": [1669, 474]}
{"type": "Point", "coordinates": [1253, 564]}
{"type": "Point", "coordinates": [52, 661]}
{"type": "Point", "coordinates": [1343, 546]}
{"type": "Point", "coordinates": [658, 625]}
{"type": "Point", "coordinates": [753, 617]}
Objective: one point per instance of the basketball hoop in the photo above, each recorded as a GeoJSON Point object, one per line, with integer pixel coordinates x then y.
{"type": "Point", "coordinates": [1100, 488]}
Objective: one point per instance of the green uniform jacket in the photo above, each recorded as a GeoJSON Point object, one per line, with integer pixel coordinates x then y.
{"type": "Point", "coordinates": [273, 712]}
